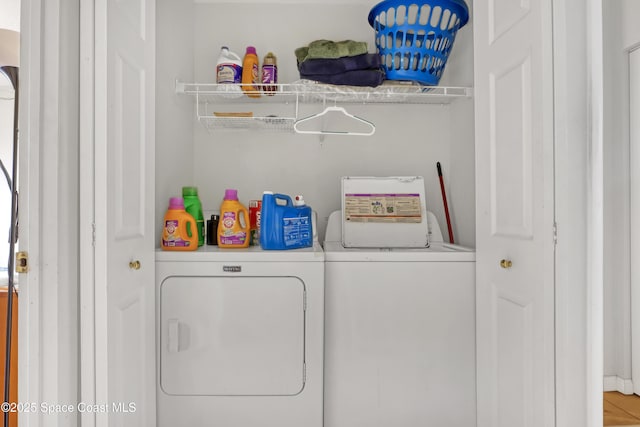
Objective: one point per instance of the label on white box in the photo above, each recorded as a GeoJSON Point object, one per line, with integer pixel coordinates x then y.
{"type": "Point", "coordinates": [384, 212]}
{"type": "Point", "coordinates": [390, 208]}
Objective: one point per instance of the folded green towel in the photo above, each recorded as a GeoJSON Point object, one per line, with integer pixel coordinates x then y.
{"type": "Point", "coordinates": [328, 49]}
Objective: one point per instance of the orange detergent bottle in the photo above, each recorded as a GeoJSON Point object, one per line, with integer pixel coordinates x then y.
{"type": "Point", "coordinates": [179, 228]}
{"type": "Point", "coordinates": [233, 228]}
{"type": "Point", "coordinates": [251, 73]}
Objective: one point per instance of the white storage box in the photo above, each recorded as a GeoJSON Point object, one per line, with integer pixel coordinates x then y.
{"type": "Point", "coordinates": [384, 212]}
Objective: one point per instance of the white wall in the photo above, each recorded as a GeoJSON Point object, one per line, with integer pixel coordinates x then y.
{"type": "Point", "coordinates": [460, 178]}
{"type": "Point", "coordinates": [409, 139]}
{"type": "Point", "coordinates": [174, 114]}
{"type": "Point", "coordinates": [575, 194]}
{"type": "Point", "coordinates": [9, 19]}
{"type": "Point", "coordinates": [630, 27]}
{"type": "Point", "coordinates": [621, 33]}
{"type": "Point", "coordinates": [6, 143]}
{"type": "Point", "coordinates": [10, 14]}
{"type": "Point", "coordinates": [616, 186]}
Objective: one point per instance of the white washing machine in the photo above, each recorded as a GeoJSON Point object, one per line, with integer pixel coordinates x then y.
{"type": "Point", "coordinates": [399, 334]}
{"type": "Point", "coordinates": [240, 337]}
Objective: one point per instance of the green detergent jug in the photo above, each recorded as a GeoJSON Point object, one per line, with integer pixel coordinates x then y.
{"type": "Point", "coordinates": [193, 206]}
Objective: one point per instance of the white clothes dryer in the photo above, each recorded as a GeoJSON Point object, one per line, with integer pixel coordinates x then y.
{"type": "Point", "coordinates": [399, 334]}
{"type": "Point", "coordinates": [240, 337]}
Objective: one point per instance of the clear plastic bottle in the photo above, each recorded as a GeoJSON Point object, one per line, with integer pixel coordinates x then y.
{"type": "Point", "coordinates": [250, 73]}
{"type": "Point", "coordinates": [269, 74]}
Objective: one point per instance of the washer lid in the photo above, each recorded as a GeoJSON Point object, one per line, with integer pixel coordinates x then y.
{"type": "Point", "coordinates": [437, 252]}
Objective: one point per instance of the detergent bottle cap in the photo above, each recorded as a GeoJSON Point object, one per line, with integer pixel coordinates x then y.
{"type": "Point", "coordinates": [176, 203]}
{"type": "Point", "coordinates": [268, 192]}
{"type": "Point", "coordinates": [251, 49]}
{"type": "Point", "coordinates": [298, 201]}
{"type": "Point", "coordinates": [269, 59]}
{"type": "Point", "coordinates": [231, 194]}
{"type": "Point", "coordinates": [189, 191]}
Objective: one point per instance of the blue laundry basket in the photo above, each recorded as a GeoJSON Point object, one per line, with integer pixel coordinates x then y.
{"type": "Point", "coordinates": [414, 37]}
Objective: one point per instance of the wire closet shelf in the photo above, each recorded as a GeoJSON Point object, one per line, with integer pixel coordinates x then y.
{"type": "Point", "coordinates": [213, 101]}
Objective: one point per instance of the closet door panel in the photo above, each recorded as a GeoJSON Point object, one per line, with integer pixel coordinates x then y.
{"type": "Point", "coordinates": [515, 214]}
{"type": "Point", "coordinates": [124, 300]}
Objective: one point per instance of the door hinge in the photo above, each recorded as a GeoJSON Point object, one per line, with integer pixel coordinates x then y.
{"type": "Point", "coordinates": [555, 233]}
{"type": "Point", "coordinates": [22, 262]}
{"type": "Point", "coordinates": [93, 234]}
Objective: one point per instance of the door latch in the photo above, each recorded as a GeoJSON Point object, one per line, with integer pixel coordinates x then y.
{"type": "Point", "coordinates": [22, 262]}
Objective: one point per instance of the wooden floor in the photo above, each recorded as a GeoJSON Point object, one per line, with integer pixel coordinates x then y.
{"type": "Point", "coordinates": [621, 410]}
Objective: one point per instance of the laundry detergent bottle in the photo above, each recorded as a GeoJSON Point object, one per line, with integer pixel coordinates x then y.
{"type": "Point", "coordinates": [284, 225]}
{"type": "Point", "coordinates": [229, 73]}
{"type": "Point", "coordinates": [193, 206]}
{"type": "Point", "coordinates": [228, 67]}
{"type": "Point", "coordinates": [179, 230]}
{"type": "Point", "coordinates": [251, 73]}
{"type": "Point", "coordinates": [233, 228]}
{"type": "Point", "coordinates": [269, 74]}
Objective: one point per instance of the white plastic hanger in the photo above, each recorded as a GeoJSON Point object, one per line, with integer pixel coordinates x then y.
{"type": "Point", "coordinates": [329, 132]}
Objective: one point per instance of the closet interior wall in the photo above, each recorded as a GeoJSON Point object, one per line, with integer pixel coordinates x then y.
{"type": "Point", "coordinates": [409, 139]}
{"type": "Point", "coordinates": [621, 35]}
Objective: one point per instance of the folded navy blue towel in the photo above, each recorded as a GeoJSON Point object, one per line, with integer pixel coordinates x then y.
{"type": "Point", "coordinates": [340, 65]}
{"type": "Point", "coordinates": [370, 78]}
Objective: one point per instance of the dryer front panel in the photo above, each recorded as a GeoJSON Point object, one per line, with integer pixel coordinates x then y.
{"type": "Point", "coordinates": [232, 336]}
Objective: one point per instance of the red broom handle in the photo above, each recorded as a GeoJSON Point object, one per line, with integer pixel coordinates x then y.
{"type": "Point", "coordinates": [446, 206]}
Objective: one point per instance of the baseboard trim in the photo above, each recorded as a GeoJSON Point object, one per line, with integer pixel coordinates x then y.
{"type": "Point", "coordinates": [615, 383]}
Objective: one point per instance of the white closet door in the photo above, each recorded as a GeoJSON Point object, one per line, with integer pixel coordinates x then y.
{"type": "Point", "coordinates": [515, 219]}
{"type": "Point", "coordinates": [634, 142]}
{"type": "Point", "coordinates": [124, 220]}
